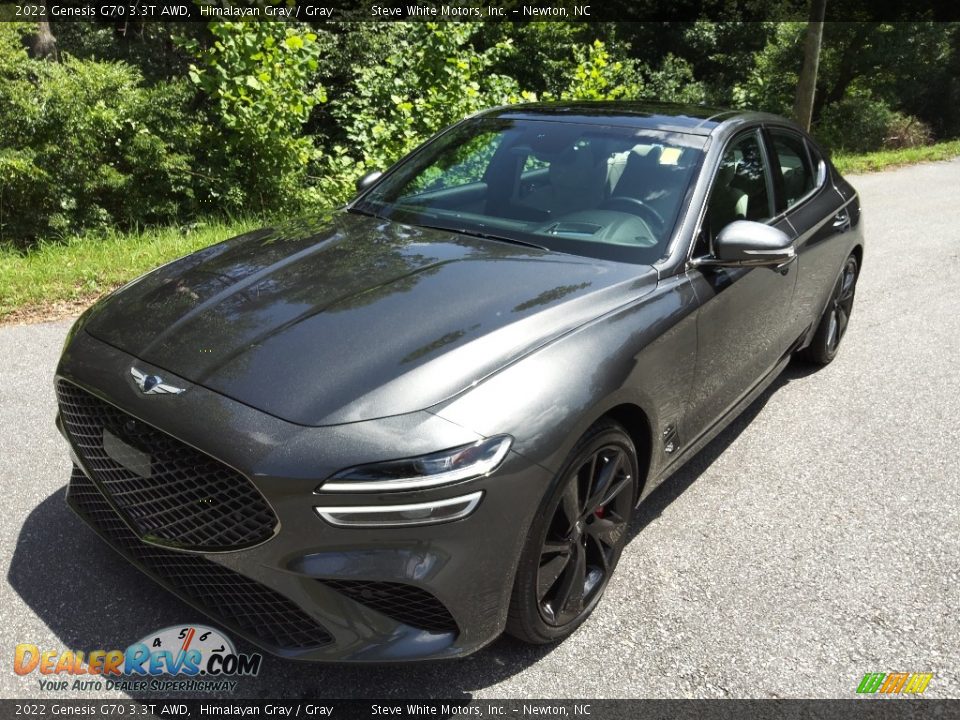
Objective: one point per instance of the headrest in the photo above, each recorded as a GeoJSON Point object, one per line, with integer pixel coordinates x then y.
{"type": "Point", "coordinates": [576, 167]}
{"type": "Point", "coordinates": [645, 159]}
{"type": "Point", "coordinates": [640, 173]}
{"type": "Point", "coordinates": [726, 172]}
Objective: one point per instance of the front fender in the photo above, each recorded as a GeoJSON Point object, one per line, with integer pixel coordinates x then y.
{"type": "Point", "coordinates": [642, 354]}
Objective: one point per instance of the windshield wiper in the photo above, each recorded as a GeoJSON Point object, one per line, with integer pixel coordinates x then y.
{"type": "Point", "coordinates": [369, 213]}
{"type": "Point", "coordinates": [489, 236]}
{"type": "Point", "coordinates": [461, 231]}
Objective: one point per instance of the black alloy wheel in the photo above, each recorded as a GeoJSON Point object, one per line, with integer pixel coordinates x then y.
{"type": "Point", "coordinates": [836, 318]}
{"type": "Point", "coordinates": [575, 546]}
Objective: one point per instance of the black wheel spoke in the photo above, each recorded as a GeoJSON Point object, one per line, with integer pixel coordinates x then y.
{"type": "Point", "coordinates": [608, 469]}
{"type": "Point", "coordinates": [588, 480]}
{"type": "Point", "coordinates": [548, 574]}
{"type": "Point", "coordinates": [552, 547]}
{"type": "Point", "coordinates": [571, 503]}
{"type": "Point", "coordinates": [832, 332]}
{"type": "Point", "coordinates": [602, 551]}
{"type": "Point", "coordinates": [847, 286]}
{"type": "Point", "coordinates": [569, 597]}
{"type": "Point", "coordinates": [621, 485]}
{"type": "Point", "coordinates": [842, 320]}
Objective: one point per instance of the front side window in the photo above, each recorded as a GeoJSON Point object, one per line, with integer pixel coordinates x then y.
{"type": "Point", "coordinates": [793, 164]}
{"type": "Point", "coordinates": [741, 186]}
{"type": "Point", "coordinates": [584, 189]}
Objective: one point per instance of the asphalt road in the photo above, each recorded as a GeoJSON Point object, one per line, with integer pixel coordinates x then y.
{"type": "Point", "coordinates": [817, 539]}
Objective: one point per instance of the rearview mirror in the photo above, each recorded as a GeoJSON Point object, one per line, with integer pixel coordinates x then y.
{"type": "Point", "coordinates": [367, 180]}
{"type": "Point", "coordinates": [744, 243]}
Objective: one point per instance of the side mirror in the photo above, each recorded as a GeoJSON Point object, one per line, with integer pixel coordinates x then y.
{"type": "Point", "coordinates": [367, 180]}
{"type": "Point", "coordinates": [749, 244]}
{"type": "Point", "coordinates": [821, 173]}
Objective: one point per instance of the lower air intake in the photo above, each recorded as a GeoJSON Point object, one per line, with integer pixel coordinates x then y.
{"type": "Point", "coordinates": [249, 607]}
{"type": "Point", "coordinates": [404, 603]}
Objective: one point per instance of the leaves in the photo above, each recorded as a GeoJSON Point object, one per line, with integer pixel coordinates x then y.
{"type": "Point", "coordinates": [261, 79]}
{"type": "Point", "coordinates": [174, 121]}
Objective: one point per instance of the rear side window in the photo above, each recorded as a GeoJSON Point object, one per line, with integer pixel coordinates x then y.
{"type": "Point", "coordinates": [793, 164]}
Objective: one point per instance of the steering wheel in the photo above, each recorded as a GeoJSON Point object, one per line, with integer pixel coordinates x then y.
{"type": "Point", "coordinates": [635, 207]}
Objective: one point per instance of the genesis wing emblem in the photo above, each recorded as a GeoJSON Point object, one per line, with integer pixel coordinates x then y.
{"type": "Point", "coordinates": [153, 384]}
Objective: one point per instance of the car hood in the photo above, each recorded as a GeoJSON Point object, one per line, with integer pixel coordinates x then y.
{"type": "Point", "coordinates": [353, 317]}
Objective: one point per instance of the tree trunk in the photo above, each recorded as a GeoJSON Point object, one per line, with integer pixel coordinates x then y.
{"type": "Point", "coordinates": [43, 45]}
{"type": "Point", "coordinates": [807, 85]}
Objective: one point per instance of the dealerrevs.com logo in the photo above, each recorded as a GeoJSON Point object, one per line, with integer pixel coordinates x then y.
{"type": "Point", "coordinates": [204, 655]}
{"type": "Point", "coordinates": [894, 683]}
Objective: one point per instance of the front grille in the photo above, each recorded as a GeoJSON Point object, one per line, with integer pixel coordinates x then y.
{"type": "Point", "coordinates": [404, 603]}
{"type": "Point", "coordinates": [247, 606]}
{"type": "Point", "coordinates": [170, 493]}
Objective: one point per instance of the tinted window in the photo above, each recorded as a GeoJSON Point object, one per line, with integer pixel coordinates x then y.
{"type": "Point", "coordinates": [608, 192]}
{"type": "Point", "coordinates": [458, 165]}
{"type": "Point", "coordinates": [793, 165]}
{"type": "Point", "coordinates": [740, 187]}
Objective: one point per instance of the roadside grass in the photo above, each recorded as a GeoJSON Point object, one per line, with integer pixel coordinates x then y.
{"type": "Point", "coordinates": [884, 159]}
{"type": "Point", "coordinates": [59, 279]}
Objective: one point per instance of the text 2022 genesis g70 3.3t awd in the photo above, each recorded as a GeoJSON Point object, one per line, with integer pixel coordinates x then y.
{"type": "Point", "coordinates": [396, 431]}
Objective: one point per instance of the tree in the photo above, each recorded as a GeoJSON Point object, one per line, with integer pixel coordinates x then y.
{"type": "Point", "coordinates": [807, 85]}
{"type": "Point", "coordinates": [43, 45]}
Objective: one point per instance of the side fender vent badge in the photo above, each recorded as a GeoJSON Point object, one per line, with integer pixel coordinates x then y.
{"type": "Point", "coordinates": [671, 440]}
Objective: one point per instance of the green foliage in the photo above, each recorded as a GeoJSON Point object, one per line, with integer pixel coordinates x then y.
{"type": "Point", "coordinates": [598, 76]}
{"type": "Point", "coordinates": [855, 124]}
{"type": "Point", "coordinates": [674, 81]}
{"type": "Point", "coordinates": [84, 144]}
{"type": "Point", "coordinates": [724, 57]}
{"type": "Point", "coordinates": [771, 81]}
{"type": "Point", "coordinates": [541, 59]}
{"type": "Point", "coordinates": [907, 131]}
{"type": "Point", "coordinates": [861, 123]}
{"type": "Point", "coordinates": [155, 123]}
{"type": "Point", "coordinates": [259, 78]}
{"type": "Point", "coordinates": [432, 76]}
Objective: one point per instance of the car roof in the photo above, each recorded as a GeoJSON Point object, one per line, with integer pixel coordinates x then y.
{"type": "Point", "coordinates": [693, 119]}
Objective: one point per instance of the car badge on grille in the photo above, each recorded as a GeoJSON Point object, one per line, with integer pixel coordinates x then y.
{"type": "Point", "coordinates": [153, 384]}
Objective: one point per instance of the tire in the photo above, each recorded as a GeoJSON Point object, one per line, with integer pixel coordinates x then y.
{"type": "Point", "coordinates": [833, 324]}
{"type": "Point", "coordinates": [575, 543]}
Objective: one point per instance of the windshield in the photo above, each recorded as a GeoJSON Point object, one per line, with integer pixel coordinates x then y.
{"type": "Point", "coordinates": [593, 190]}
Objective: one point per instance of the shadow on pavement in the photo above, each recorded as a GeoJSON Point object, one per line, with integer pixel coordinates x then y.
{"type": "Point", "coordinates": [92, 599]}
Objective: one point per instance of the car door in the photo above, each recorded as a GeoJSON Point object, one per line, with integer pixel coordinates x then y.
{"type": "Point", "coordinates": [742, 322]}
{"type": "Point", "coordinates": [817, 214]}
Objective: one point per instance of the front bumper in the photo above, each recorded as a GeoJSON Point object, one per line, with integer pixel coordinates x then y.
{"type": "Point", "coordinates": [330, 593]}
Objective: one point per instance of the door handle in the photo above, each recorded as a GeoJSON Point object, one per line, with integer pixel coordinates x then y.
{"type": "Point", "coordinates": [841, 219]}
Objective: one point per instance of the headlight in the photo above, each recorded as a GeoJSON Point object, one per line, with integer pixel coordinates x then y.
{"type": "Point", "coordinates": [428, 513]}
{"type": "Point", "coordinates": [441, 468]}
